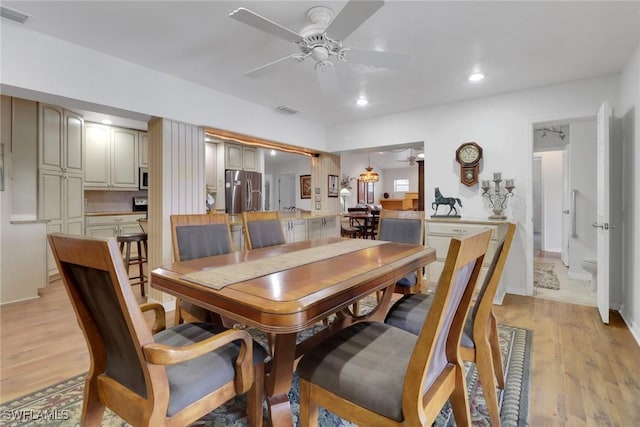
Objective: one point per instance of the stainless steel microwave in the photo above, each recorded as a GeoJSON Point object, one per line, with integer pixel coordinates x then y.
{"type": "Point", "coordinates": [143, 179]}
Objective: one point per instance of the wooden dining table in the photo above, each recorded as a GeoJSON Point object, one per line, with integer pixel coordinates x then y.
{"type": "Point", "coordinates": [296, 296]}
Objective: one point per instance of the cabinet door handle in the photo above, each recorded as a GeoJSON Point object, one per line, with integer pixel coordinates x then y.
{"type": "Point", "coordinates": [459, 230]}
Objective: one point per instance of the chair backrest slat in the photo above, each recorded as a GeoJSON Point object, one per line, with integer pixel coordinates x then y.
{"type": "Point", "coordinates": [96, 281]}
{"type": "Point", "coordinates": [439, 337]}
{"type": "Point", "coordinates": [200, 235]}
{"type": "Point", "coordinates": [262, 229]}
{"type": "Point", "coordinates": [401, 226]}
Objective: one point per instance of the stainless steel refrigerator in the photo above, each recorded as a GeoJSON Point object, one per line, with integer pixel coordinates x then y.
{"type": "Point", "coordinates": [243, 191]}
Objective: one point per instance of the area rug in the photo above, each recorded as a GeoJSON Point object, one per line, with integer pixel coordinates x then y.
{"type": "Point", "coordinates": [544, 276]}
{"type": "Point", "coordinates": [61, 404]}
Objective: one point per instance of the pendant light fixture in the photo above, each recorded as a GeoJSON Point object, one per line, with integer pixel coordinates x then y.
{"type": "Point", "coordinates": [369, 175]}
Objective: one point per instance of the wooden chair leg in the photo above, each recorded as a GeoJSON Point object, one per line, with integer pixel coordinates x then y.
{"type": "Point", "coordinates": [496, 354]}
{"type": "Point", "coordinates": [459, 400]}
{"type": "Point", "coordinates": [486, 375]}
{"type": "Point", "coordinates": [309, 410]}
{"type": "Point", "coordinates": [92, 408]}
{"type": "Point", "coordinates": [255, 396]}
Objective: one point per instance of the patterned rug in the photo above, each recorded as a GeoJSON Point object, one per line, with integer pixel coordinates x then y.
{"type": "Point", "coordinates": [544, 276]}
{"type": "Point", "coordinates": [61, 404]}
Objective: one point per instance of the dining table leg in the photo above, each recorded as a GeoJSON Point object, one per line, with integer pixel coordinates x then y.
{"type": "Point", "coordinates": [278, 380]}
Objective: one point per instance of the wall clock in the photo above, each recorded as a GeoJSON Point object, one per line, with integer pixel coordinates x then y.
{"type": "Point", "coordinates": [469, 155]}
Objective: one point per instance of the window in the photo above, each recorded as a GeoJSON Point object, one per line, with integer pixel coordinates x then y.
{"type": "Point", "coordinates": [400, 185]}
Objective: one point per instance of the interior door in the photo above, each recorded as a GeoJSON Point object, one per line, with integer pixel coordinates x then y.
{"type": "Point", "coordinates": [286, 191]}
{"type": "Point", "coordinates": [602, 208]}
{"type": "Point", "coordinates": [567, 212]}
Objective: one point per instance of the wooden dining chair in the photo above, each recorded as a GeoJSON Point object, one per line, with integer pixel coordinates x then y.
{"type": "Point", "coordinates": [198, 236]}
{"type": "Point", "coordinates": [372, 373]}
{"type": "Point", "coordinates": [403, 227]}
{"type": "Point", "coordinates": [480, 335]}
{"type": "Point", "coordinates": [262, 229]}
{"type": "Point", "coordinates": [150, 377]}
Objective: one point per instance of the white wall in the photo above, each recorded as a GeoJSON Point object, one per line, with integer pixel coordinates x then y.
{"type": "Point", "coordinates": [410, 173]}
{"type": "Point", "coordinates": [551, 192]}
{"type": "Point", "coordinates": [629, 115]}
{"type": "Point", "coordinates": [44, 64]}
{"type": "Point", "coordinates": [502, 125]}
{"type": "Point", "coordinates": [582, 155]}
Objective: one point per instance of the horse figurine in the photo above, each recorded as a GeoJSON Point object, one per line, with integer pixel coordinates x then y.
{"type": "Point", "coordinates": [441, 200]}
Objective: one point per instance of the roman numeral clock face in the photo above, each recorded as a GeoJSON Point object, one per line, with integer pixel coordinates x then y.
{"type": "Point", "coordinates": [469, 155]}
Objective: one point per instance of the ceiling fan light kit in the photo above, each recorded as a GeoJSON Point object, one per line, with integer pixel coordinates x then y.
{"type": "Point", "coordinates": [314, 40]}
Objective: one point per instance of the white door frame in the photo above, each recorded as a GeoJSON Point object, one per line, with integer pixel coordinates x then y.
{"type": "Point", "coordinates": [528, 226]}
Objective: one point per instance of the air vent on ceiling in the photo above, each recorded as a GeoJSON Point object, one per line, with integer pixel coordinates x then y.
{"type": "Point", "coordinates": [14, 15]}
{"type": "Point", "coordinates": [286, 110]}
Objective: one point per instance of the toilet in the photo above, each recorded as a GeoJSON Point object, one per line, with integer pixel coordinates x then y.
{"type": "Point", "coordinates": [591, 266]}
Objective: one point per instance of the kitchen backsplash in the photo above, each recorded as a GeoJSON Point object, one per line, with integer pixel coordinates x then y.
{"type": "Point", "coordinates": [110, 201]}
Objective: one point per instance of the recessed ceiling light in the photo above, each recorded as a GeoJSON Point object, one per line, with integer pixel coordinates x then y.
{"type": "Point", "coordinates": [362, 102]}
{"type": "Point", "coordinates": [106, 122]}
{"type": "Point", "coordinates": [476, 77]}
{"type": "Point", "coordinates": [272, 152]}
{"type": "Point", "coordinates": [421, 155]}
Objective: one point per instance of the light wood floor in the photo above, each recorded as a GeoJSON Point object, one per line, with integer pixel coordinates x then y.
{"type": "Point", "coordinates": [583, 372]}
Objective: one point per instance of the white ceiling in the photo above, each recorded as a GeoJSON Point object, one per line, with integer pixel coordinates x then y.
{"type": "Point", "coordinates": [516, 44]}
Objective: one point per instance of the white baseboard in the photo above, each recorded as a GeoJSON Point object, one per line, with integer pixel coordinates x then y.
{"type": "Point", "coordinates": [579, 276]}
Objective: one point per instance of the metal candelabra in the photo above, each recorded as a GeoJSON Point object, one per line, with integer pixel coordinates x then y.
{"type": "Point", "coordinates": [498, 197]}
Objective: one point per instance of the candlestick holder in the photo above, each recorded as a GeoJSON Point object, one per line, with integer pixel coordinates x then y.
{"type": "Point", "coordinates": [498, 195]}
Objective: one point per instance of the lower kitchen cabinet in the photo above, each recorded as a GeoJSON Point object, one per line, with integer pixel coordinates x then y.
{"type": "Point", "coordinates": [295, 230]}
{"type": "Point", "coordinates": [113, 226]}
{"type": "Point", "coordinates": [326, 226]}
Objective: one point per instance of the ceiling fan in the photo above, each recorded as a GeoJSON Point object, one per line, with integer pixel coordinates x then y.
{"type": "Point", "coordinates": [322, 40]}
{"type": "Point", "coordinates": [411, 159]}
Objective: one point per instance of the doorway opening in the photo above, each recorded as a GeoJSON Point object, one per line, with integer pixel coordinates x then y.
{"type": "Point", "coordinates": [564, 156]}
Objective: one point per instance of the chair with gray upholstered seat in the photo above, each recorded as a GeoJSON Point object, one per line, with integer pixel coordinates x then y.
{"type": "Point", "coordinates": [480, 335]}
{"type": "Point", "coordinates": [372, 373]}
{"type": "Point", "coordinates": [197, 236]}
{"type": "Point", "coordinates": [150, 376]}
{"type": "Point", "coordinates": [403, 227]}
{"type": "Point", "coordinates": [262, 229]}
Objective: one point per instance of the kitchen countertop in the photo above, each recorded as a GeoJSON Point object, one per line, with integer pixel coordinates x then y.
{"type": "Point", "coordinates": [114, 213]}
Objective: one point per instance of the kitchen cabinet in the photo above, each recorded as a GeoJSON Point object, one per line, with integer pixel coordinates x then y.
{"type": "Point", "coordinates": [295, 230]}
{"type": "Point", "coordinates": [60, 142]}
{"type": "Point", "coordinates": [111, 161]}
{"type": "Point", "coordinates": [210, 167]}
{"type": "Point", "coordinates": [439, 233]}
{"type": "Point", "coordinates": [326, 226]}
{"type": "Point", "coordinates": [240, 157]}
{"type": "Point", "coordinates": [143, 149]}
{"type": "Point", "coordinates": [113, 226]}
{"type": "Point", "coordinates": [60, 174]}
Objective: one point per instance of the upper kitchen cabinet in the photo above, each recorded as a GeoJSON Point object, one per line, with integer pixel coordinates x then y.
{"type": "Point", "coordinates": [143, 149]}
{"type": "Point", "coordinates": [240, 157]}
{"type": "Point", "coordinates": [59, 139]}
{"type": "Point", "coordinates": [111, 161]}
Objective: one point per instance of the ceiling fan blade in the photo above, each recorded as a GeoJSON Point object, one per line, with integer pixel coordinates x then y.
{"type": "Point", "coordinates": [327, 77]}
{"type": "Point", "coordinates": [268, 26]}
{"type": "Point", "coordinates": [351, 17]}
{"type": "Point", "coordinates": [391, 60]}
{"type": "Point", "coordinates": [270, 67]}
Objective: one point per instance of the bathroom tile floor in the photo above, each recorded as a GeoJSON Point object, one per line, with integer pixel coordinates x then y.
{"type": "Point", "coordinates": [571, 291]}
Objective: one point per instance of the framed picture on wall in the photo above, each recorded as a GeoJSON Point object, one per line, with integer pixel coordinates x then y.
{"type": "Point", "coordinates": [305, 186]}
{"type": "Point", "coordinates": [333, 186]}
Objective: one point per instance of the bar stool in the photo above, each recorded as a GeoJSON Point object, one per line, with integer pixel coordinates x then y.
{"type": "Point", "coordinates": [140, 239]}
